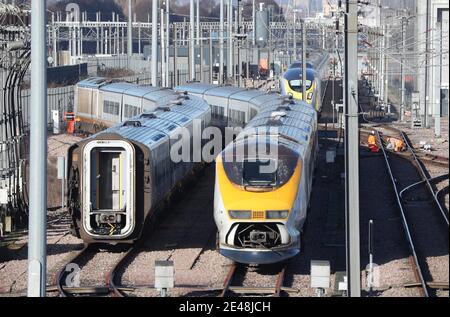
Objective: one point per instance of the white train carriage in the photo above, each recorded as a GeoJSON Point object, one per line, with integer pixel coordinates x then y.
{"type": "Point", "coordinates": [119, 176]}
{"type": "Point", "coordinates": [101, 103]}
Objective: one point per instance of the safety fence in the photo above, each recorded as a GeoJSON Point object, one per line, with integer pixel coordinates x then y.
{"type": "Point", "coordinates": [136, 63]}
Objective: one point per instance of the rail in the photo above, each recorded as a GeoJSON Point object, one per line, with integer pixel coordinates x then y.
{"type": "Point", "coordinates": [418, 271]}
{"type": "Point", "coordinates": [274, 291]}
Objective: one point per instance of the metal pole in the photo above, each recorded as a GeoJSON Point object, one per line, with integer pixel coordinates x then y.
{"type": "Point", "coordinates": [183, 36]}
{"type": "Point", "coordinates": [438, 81]}
{"type": "Point", "coordinates": [402, 67]}
{"type": "Point", "coordinates": [175, 53]}
{"type": "Point", "coordinates": [210, 56]}
{"type": "Point", "coordinates": [247, 64]}
{"type": "Point", "coordinates": [422, 27]}
{"type": "Point", "coordinates": [254, 21]}
{"type": "Point", "coordinates": [323, 38]}
{"type": "Point", "coordinates": [98, 41]}
{"type": "Point", "coordinates": [78, 39]}
{"type": "Point", "coordinates": [55, 50]}
{"type": "Point", "coordinates": [163, 50]}
{"type": "Point", "coordinates": [37, 237]}
{"type": "Point", "coordinates": [230, 66]}
{"type": "Point", "coordinates": [192, 42]}
{"type": "Point", "coordinates": [81, 41]}
{"type": "Point", "coordinates": [198, 22]}
{"type": "Point", "coordinates": [112, 45]}
{"type": "Point", "coordinates": [426, 122]}
{"type": "Point", "coordinates": [303, 61]}
{"type": "Point", "coordinates": [239, 43]}
{"type": "Point", "coordinates": [63, 179]}
{"type": "Point", "coordinates": [352, 150]}
{"type": "Point", "coordinates": [383, 65]}
{"type": "Point", "coordinates": [122, 35]}
{"type": "Point", "coordinates": [201, 61]}
{"type": "Point", "coordinates": [167, 41]}
{"type": "Point", "coordinates": [370, 247]}
{"type": "Point", "coordinates": [130, 29]}
{"type": "Point", "coordinates": [109, 39]}
{"type": "Point", "coordinates": [102, 36]}
{"type": "Point", "coordinates": [386, 70]}
{"type": "Point", "coordinates": [333, 102]}
{"type": "Point", "coordinates": [221, 44]}
{"type": "Point", "coordinates": [139, 39]}
{"type": "Point", "coordinates": [154, 42]}
{"type": "Point", "coordinates": [70, 43]}
{"type": "Point", "coordinates": [295, 35]}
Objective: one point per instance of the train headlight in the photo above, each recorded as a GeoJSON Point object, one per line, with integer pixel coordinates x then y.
{"type": "Point", "coordinates": [310, 95]}
{"type": "Point", "coordinates": [277, 214]}
{"type": "Point", "coordinates": [240, 214]}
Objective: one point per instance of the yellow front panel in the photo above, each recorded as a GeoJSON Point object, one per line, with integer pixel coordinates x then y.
{"type": "Point", "coordinates": [237, 198]}
{"type": "Point", "coordinates": [298, 95]}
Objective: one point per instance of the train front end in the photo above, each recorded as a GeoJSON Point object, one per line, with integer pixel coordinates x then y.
{"type": "Point", "coordinates": [291, 84]}
{"type": "Point", "coordinates": [102, 181]}
{"type": "Point", "coordinates": [256, 203]}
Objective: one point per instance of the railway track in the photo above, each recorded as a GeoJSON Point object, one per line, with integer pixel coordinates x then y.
{"type": "Point", "coordinates": [237, 273]}
{"type": "Point", "coordinates": [424, 220]}
{"type": "Point", "coordinates": [424, 158]}
{"type": "Point", "coordinates": [110, 288]}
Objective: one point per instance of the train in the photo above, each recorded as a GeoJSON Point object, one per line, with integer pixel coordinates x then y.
{"type": "Point", "coordinates": [291, 82]}
{"type": "Point", "coordinates": [260, 213]}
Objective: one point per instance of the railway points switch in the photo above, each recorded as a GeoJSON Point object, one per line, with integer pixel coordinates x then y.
{"type": "Point", "coordinates": [320, 274]}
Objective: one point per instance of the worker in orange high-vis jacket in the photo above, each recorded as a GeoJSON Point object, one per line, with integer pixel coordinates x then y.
{"type": "Point", "coordinates": [399, 145]}
{"type": "Point", "coordinates": [395, 144]}
{"type": "Point", "coordinates": [372, 142]}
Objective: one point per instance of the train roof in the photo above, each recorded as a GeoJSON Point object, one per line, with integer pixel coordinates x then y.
{"type": "Point", "coordinates": [140, 91]}
{"type": "Point", "coordinates": [117, 87]}
{"type": "Point", "coordinates": [195, 88]}
{"type": "Point", "coordinates": [223, 91]}
{"type": "Point", "coordinates": [92, 82]}
{"type": "Point", "coordinates": [155, 125]}
{"type": "Point", "coordinates": [290, 108]}
{"type": "Point", "coordinates": [267, 100]}
{"type": "Point", "coordinates": [247, 94]}
{"type": "Point", "coordinates": [160, 95]}
{"type": "Point", "coordinates": [210, 90]}
{"type": "Point", "coordinates": [142, 134]}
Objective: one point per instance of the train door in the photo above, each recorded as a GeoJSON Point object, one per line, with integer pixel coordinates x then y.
{"type": "Point", "coordinates": [110, 190]}
{"type": "Point", "coordinates": [108, 203]}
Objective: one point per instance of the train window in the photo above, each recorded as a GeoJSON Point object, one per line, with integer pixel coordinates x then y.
{"type": "Point", "coordinates": [237, 116]}
{"type": "Point", "coordinates": [111, 107]}
{"type": "Point", "coordinates": [158, 137]}
{"type": "Point", "coordinates": [130, 111]}
{"type": "Point", "coordinates": [217, 112]}
{"type": "Point", "coordinates": [242, 171]}
{"type": "Point", "coordinates": [260, 172]}
{"type": "Point", "coordinates": [297, 84]}
{"type": "Point", "coordinates": [171, 127]}
{"type": "Point", "coordinates": [253, 113]}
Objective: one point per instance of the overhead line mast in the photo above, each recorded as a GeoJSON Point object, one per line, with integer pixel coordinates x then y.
{"type": "Point", "coordinates": [352, 149]}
